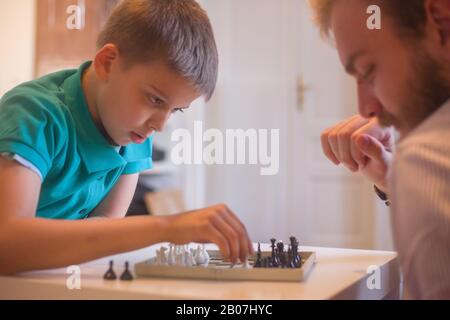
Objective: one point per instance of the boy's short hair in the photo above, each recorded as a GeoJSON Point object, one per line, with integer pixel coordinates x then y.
{"type": "Point", "coordinates": [177, 31]}
{"type": "Point", "coordinates": [409, 15]}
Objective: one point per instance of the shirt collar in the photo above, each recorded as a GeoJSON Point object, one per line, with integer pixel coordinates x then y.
{"type": "Point", "coordinates": [97, 153]}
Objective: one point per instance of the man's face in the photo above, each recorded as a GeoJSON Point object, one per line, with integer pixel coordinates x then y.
{"type": "Point", "coordinates": [400, 82]}
{"type": "Point", "coordinates": [134, 103]}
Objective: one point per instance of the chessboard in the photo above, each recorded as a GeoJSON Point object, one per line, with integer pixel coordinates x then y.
{"type": "Point", "coordinates": [218, 269]}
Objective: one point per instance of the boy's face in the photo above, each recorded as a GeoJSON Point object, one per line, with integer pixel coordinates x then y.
{"type": "Point", "coordinates": [133, 103]}
{"type": "Point", "coordinates": [401, 83]}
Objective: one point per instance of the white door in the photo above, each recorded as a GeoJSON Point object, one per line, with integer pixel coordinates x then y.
{"type": "Point", "coordinates": [265, 47]}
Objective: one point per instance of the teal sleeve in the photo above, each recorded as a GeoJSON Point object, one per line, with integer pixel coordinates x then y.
{"type": "Point", "coordinates": [139, 157]}
{"type": "Point", "coordinates": [27, 129]}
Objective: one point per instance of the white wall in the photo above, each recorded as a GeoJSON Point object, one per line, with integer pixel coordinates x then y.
{"type": "Point", "coordinates": [17, 36]}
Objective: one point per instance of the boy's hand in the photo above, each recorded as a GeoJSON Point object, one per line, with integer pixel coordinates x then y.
{"type": "Point", "coordinates": [216, 224]}
{"type": "Point", "coordinates": [361, 145]}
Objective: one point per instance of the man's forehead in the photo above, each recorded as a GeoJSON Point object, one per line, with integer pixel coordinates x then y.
{"type": "Point", "coordinates": [349, 28]}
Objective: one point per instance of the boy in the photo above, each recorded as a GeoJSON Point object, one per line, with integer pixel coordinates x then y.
{"type": "Point", "coordinates": [72, 143]}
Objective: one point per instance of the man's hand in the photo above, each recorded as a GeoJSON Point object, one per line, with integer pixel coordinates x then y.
{"type": "Point", "coordinates": [216, 224]}
{"type": "Point", "coordinates": [361, 145]}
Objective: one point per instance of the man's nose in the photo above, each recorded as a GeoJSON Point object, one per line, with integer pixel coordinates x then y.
{"type": "Point", "coordinates": [369, 106]}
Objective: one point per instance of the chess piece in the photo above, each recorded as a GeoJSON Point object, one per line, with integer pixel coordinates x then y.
{"type": "Point", "coordinates": [171, 256]}
{"type": "Point", "coordinates": [266, 262]}
{"type": "Point", "coordinates": [281, 254]}
{"type": "Point", "coordinates": [192, 257]}
{"type": "Point", "coordinates": [295, 254]}
{"type": "Point", "coordinates": [179, 257]}
{"type": "Point", "coordinates": [187, 259]}
{"type": "Point", "coordinates": [274, 260]}
{"type": "Point", "coordinates": [126, 275]}
{"type": "Point", "coordinates": [270, 262]}
{"type": "Point", "coordinates": [258, 262]}
{"type": "Point", "coordinates": [163, 255]}
{"type": "Point", "coordinates": [291, 263]}
{"type": "Point", "coordinates": [246, 264]}
{"type": "Point", "coordinates": [200, 257]}
{"type": "Point", "coordinates": [110, 274]}
{"type": "Point", "coordinates": [205, 254]}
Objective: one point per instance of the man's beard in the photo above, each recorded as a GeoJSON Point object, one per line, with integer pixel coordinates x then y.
{"type": "Point", "coordinates": [427, 90]}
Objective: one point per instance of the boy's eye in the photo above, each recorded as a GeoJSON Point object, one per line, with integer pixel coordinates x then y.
{"type": "Point", "coordinates": [156, 100]}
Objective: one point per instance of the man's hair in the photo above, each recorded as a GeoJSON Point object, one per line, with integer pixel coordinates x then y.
{"type": "Point", "coordinates": [176, 31]}
{"type": "Point", "coordinates": [409, 16]}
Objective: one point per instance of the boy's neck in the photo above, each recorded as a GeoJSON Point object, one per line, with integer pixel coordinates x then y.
{"type": "Point", "coordinates": [90, 85]}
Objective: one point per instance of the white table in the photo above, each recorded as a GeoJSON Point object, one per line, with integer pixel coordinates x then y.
{"type": "Point", "coordinates": [338, 274]}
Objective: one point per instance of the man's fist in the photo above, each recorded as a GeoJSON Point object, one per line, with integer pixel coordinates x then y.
{"type": "Point", "coordinates": [361, 145]}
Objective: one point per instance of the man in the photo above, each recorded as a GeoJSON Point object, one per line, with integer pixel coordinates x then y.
{"type": "Point", "coordinates": [403, 80]}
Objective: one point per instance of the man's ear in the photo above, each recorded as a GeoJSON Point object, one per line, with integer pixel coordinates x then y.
{"type": "Point", "coordinates": [104, 61]}
{"type": "Point", "coordinates": [438, 14]}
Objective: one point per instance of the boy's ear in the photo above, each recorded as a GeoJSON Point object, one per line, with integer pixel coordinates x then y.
{"type": "Point", "coordinates": [438, 14]}
{"type": "Point", "coordinates": [104, 60]}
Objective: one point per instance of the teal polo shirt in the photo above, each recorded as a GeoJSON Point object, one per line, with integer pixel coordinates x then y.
{"type": "Point", "coordinates": [47, 123]}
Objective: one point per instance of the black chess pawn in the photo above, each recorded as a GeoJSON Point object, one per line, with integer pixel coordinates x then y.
{"type": "Point", "coordinates": [110, 274]}
{"type": "Point", "coordinates": [295, 254]}
{"type": "Point", "coordinates": [266, 262]}
{"type": "Point", "coordinates": [126, 275]}
{"type": "Point", "coordinates": [258, 262]}
{"type": "Point", "coordinates": [269, 262]}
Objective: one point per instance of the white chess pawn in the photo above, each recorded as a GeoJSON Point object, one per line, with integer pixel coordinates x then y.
{"type": "Point", "coordinates": [205, 254]}
{"type": "Point", "coordinates": [192, 257]}
{"type": "Point", "coordinates": [198, 256]}
{"type": "Point", "coordinates": [187, 259]}
{"type": "Point", "coordinates": [201, 256]}
{"type": "Point", "coordinates": [171, 256]}
{"type": "Point", "coordinates": [163, 256]}
{"type": "Point", "coordinates": [179, 257]}
{"type": "Point", "coordinates": [158, 258]}
{"type": "Point", "coordinates": [246, 264]}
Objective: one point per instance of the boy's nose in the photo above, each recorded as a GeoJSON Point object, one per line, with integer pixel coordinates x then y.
{"type": "Point", "coordinates": [368, 104]}
{"type": "Point", "coordinates": [158, 121]}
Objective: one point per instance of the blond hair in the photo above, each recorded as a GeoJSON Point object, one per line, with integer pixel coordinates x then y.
{"type": "Point", "coordinates": [322, 15]}
{"type": "Point", "coordinates": [410, 17]}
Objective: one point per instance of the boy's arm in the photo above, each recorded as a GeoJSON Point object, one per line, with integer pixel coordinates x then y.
{"type": "Point", "coordinates": [118, 200]}
{"type": "Point", "coordinates": [30, 243]}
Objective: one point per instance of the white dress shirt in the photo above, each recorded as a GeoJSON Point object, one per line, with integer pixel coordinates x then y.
{"type": "Point", "coordinates": [420, 197]}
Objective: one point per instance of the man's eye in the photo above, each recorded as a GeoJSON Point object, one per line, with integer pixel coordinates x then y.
{"type": "Point", "coordinates": [367, 77]}
{"type": "Point", "coordinates": [177, 110]}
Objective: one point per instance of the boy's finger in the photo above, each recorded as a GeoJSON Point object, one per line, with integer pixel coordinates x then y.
{"type": "Point", "coordinates": [230, 235]}
{"type": "Point", "coordinates": [220, 241]}
{"type": "Point", "coordinates": [245, 241]}
{"type": "Point", "coordinates": [241, 234]}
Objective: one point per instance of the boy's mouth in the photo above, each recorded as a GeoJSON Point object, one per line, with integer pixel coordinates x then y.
{"type": "Point", "coordinates": [137, 138]}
